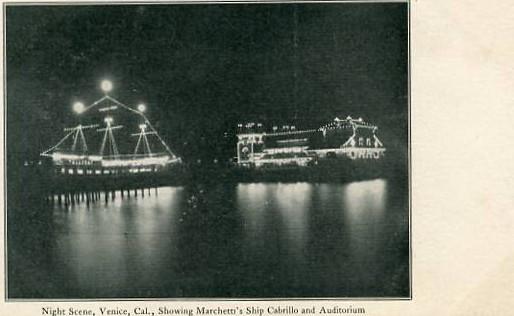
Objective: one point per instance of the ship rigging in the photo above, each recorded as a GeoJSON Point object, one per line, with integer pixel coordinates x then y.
{"type": "Point", "coordinates": [126, 142]}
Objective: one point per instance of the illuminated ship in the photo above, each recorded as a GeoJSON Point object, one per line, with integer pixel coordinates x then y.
{"type": "Point", "coordinates": [91, 149]}
{"type": "Point", "coordinates": [349, 138]}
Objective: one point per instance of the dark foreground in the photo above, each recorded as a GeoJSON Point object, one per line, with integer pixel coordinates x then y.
{"type": "Point", "coordinates": [244, 240]}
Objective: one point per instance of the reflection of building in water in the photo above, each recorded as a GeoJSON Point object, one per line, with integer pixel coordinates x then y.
{"type": "Point", "coordinates": [287, 145]}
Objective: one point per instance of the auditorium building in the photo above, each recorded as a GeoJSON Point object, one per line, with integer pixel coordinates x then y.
{"type": "Point", "coordinates": [288, 146]}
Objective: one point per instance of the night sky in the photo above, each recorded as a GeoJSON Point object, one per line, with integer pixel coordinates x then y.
{"type": "Point", "coordinates": [202, 69]}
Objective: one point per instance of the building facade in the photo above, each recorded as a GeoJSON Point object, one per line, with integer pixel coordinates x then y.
{"type": "Point", "coordinates": [288, 146]}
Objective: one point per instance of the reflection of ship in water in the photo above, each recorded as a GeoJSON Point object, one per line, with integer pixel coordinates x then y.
{"type": "Point", "coordinates": [349, 138]}
{"type": "Point", "coordinates": [111, 139]}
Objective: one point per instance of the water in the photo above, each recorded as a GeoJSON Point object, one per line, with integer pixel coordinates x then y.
{"type": "Point", "coordinates": [243, 240]}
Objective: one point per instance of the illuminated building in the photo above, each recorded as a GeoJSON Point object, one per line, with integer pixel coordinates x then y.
{"type": "Point", "coordinates": [110, 139]}
{"type": "Point", "coordinates": [287, 145]}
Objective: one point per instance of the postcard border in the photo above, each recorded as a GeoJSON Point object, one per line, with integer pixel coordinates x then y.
{"type": "Point", "coordinates": [193, 2]}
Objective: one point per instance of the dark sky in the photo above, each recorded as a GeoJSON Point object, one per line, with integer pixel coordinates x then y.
{"type": "Point", "coordinates": [201, 69]}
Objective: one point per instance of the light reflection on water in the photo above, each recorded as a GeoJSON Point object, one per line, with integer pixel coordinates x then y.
{"type": "Point", "coordinates": [365, 205]}
{"type": "Point", "coordinates": [109, 241]}
{"type": "Point", "coordinates": [285, 205]}
{"type": "Point", "coordinates": [244, 240]}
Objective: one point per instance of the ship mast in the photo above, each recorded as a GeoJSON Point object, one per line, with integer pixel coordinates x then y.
{"type": "Point", "coordinates": [76, 146]}
{"type": "Point", "coordinates": [109, 138]}
{"type": "Point", "coordinates": [142, 138]}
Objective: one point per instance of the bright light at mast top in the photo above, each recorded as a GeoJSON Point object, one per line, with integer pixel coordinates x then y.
{"type": "Point", "coordinates": [78, 107]}
{"type": "Point", "coordinates": [106, 86]}
{"type": "Point", "coordinates": [141, 107]}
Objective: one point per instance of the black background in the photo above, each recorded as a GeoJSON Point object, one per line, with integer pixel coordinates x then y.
{"type": "Point", "coordinates": [202, 69]}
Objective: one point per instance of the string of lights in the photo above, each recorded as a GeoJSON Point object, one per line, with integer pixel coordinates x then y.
{"type": "Point", "coordinates": [109, 154]}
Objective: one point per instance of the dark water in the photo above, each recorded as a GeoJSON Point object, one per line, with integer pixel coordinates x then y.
{"type": "Point", "coordinates": [241, 240]}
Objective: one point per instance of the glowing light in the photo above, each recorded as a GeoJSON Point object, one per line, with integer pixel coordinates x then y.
{"type": "Point", "coordinates": [141, 107]}
{"type": "Point", "coordinates": [108, 120]}
{"type": "Point", "coordinates": [296, 140]}
{"type": "Point", "coordinates": [106, 85]}
{"type": "Point", "coordinates": [300, 161]}
{"type": "Point", "coordinates": [59, 156]}
{"type": "Point", "coordinates": [78, 107]}
{"type": "Point", "coordinates": [142, 126]}
{"type": "Point", "coordinates": [295, 149]}
{"type": "Point", "coordinates": [110, 108]}
{"type": "Point", "coordinates": [136, 162]}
